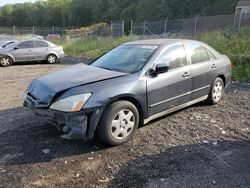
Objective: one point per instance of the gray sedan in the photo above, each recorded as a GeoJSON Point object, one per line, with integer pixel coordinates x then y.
{"type": "Point", "coordinates": [132, 84]}
{"type": "Point", "coordinates": [30, 51]}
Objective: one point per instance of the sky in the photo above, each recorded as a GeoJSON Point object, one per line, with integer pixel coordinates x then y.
{"type": "Point", "coordinates": [4, 2]}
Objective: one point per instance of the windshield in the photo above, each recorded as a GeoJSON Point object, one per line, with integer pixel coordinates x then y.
{"type": "Point", "coordinates": [8, 44]}
{"type": "Point", "coordinates": [126, 58]}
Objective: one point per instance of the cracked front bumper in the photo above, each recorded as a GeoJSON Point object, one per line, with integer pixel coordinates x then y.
{"type": "Point", "coordinates": [74, 125]}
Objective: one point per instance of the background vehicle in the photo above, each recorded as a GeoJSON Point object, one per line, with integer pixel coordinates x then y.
{"type": "Point", "coordinates": [132, 84]}
{"type": "Point", "coordinates": [30, 51]}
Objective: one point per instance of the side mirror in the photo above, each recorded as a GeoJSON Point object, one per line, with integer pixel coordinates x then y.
{"type": "Point", "coordinates": [16, 48]}
{"type": "Point", "coordinates": [161, 68]}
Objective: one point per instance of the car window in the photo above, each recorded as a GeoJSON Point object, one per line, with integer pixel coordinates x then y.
{"type": "Point", "coordinates": [174, 57]}
{"type": "Point", "coordinates": [41, 44]}
{"type": "Point", "coordinates": [197, 52]}
{"type": "Point", "coordinates": [211, 55]}
{"type": "Point", "coordinates": [26, 44]}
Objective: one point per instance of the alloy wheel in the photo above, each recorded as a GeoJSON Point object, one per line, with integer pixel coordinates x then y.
{"type": "Point", "coordinates": [51, 59]}
{"type": "Point", "coordinates": [217, 91]}
{"type": "Point", "coordinates": [122, 124]}
{"type": "Point", "coordinates": [5, 61]}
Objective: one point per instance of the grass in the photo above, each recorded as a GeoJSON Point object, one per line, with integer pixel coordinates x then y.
{"type": "Point", "coordinates": [236, 45]}
{"type": "Point", "coordinates": [92, 47]}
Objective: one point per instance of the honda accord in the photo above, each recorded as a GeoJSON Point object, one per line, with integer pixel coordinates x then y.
{"type": "Point", "coordinates": [128, 86]}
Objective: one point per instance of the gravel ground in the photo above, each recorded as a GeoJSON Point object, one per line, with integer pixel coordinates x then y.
{"type": "Point", "coordinates": [200, 146]}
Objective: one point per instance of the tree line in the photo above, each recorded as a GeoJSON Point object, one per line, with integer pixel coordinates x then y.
{"type": "Point", "coordinates": [85, 12]}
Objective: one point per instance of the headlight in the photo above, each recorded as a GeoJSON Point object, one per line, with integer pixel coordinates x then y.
{"type": "Point", "coordinates": [71, 104]}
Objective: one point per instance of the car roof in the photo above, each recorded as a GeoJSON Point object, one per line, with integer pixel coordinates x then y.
{"type": "Point", "coordinates": [25, 40]}
{"type": "Point", "coordinates": [158, 42]}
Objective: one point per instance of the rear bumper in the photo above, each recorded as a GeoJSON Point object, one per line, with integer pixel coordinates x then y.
{"type": "Point", "coordinates": [61, 55]}
{"type": "Point", "coordinates": [77, 125]}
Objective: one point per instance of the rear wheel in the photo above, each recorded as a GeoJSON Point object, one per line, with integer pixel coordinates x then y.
{"type": "Point", "coordinates": [5, 61]}
{"type": "Point", "coordinates": [216, 92]}
{"type": "Point", "coordinates": [118, 123]}
{"type": "Point", "coordinates": [51, 59]}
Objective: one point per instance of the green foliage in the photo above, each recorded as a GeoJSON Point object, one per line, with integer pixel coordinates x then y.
{"type": "Point", "coordinates": [88, 29]}
{"type": "Point", "coordinates": [236, 45]}
{"type": "Point", "coordinates": [241, 68]}
{"type": "Point", "coordinates": [85, 12]}
{"type": "Point", "coordinates": [228, 41]}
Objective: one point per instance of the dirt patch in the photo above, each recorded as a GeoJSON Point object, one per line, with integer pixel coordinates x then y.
{"type": "Point", "coordinates": [201, 146]}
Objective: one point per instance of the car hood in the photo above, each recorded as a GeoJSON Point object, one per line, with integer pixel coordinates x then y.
{"type": "Point", "coordinates": [44, 89]}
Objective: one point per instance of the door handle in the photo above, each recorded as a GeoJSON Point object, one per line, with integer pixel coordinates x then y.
{"type": "Point", "coordinates": [214, 66]}
{"type": "Point", "coordinates": [186, 74]}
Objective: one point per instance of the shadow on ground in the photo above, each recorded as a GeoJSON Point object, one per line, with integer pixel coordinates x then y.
{"type": "Point", "coordinates": [215, 164]}
{"type": "Point", "coordinates": [25, 138]}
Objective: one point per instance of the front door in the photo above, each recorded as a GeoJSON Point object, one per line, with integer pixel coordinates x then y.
{"type": "Point", "coordinates": [23, 51]}
{"type": "Point", "coordinates": [173, 88]}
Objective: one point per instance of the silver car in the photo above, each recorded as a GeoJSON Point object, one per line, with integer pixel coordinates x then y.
{"type": "Point", "coordinates": [31, 50]}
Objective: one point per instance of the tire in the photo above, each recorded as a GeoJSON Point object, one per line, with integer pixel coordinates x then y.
{"type": "Point", "coordinates": [6, 61]}
{"type": "Point", "coordinates": [118, 123]}
{"type": "Point", "coordinates": [52, 59]}
{"type": "Point", "coordinates": [216, 92]}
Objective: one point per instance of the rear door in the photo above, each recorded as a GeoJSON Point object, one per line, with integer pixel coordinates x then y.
{"type": "Point", "coordinates": [170, 89]}
{"type": "Point", "coordinates": [203, 68]}
{"type": "Point", "coordinates": [23, 51]}
{"type": "Point", "coordinates": [41, 50]}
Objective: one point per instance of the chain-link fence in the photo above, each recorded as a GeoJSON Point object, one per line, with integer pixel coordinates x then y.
{"type": "Point", "coordinates": [161, 28]}
{"type": "Point", "coordinates": [43, 31]}
{"type": "Point", "coordinates": [115, 29]}
{"type": "Point", "coordinates": [188, 26]}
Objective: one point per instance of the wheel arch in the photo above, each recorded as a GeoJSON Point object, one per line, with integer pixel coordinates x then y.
{"type": "Point", "coordinates": [9, 56]}
{"type": "Point", "coordinates": [96, 119]}
{"type": "Point", "coordinates": [222, 76]}
{"type": "Point", "coordinates": [52, 53]}
{"type": "Point", "coordinates": [134, 101]}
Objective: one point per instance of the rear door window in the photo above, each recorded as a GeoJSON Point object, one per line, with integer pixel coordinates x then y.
{"type": "Point", "coordinates": [197, 52]}
{"type": "Point", "coordinates": [41, 44]}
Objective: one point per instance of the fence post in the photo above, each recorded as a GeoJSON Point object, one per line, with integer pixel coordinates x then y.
{"type": "Point", "coordinates": [240, 19]}
{"type": "Point", "coordinates": [14, 30]}
{"type": "Point", "coordinates": [123, 28]}
{"type": "Point", "coordinates": [195, 25]}
{"type": "Point", "coordinates": [165, 26]}
{"type": "Point", "coordinates": [33, 30]}
{"type": "Point", "coordinates": [111, 29]}
{"type": "Point", "coordinates": [53, 29]}
{"type": "Point", "coordinates": [131, 26]}
{"type": "Point", "coordinates": [144, 28]}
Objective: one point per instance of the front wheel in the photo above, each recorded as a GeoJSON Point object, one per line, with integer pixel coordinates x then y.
{"type": "Point", "coordinates": [5, 61]}
{"type": "Point", "coordinates": [216, 92]}
{"type": "Point", "coordinates": [51, 59]}
{"type": "Point", "coordinates": [118, 123]}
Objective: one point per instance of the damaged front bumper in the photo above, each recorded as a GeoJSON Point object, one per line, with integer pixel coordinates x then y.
{"type": "Point", "coordinates": [75, 125]}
